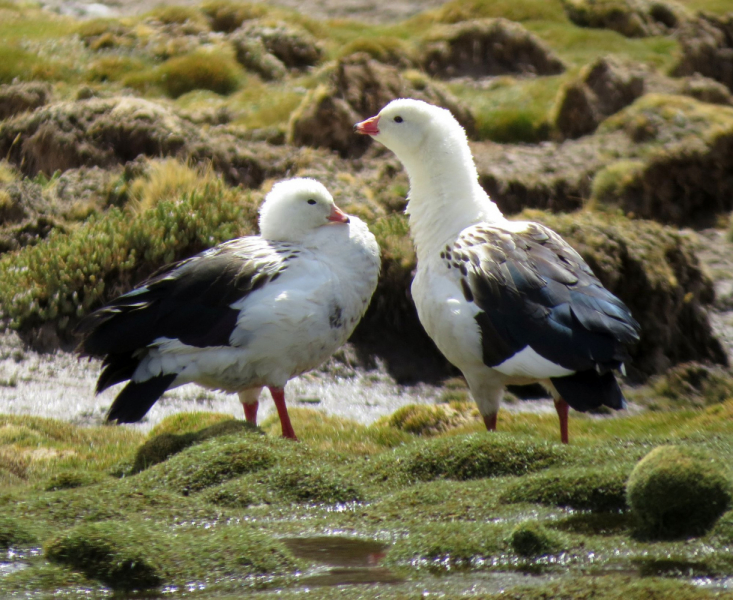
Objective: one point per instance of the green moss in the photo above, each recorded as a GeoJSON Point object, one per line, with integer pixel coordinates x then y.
{"type": "Point", "coordinates": [178, 15]}
{"type": "Point", "coordinates": [114, 68]}
{"type": "Point", "coordinates": [65, 276]}
{"type": "Point", "coordinates": [117, 554]}
{"type": "Point", "coordinates": [632, 19]}
{"type": "Point", "coordinates": [15, 533]}
{"type": "Point", "coordinates": [584, 489]}
{"type": "Point", "coordinates": [67, 480]}
{"type": "Point", "coordinates": [724, 528]}
{"type": "Point", "coordinates": [287, 485]}
{"type": "Point", "coordinates": [610, 183]}
{"type": "Point", "coordinates": [512, 110]}
{"type": "Point", "coordinates": [22, 65]}
{"type": "Point", "coordinates": [216, 71]}
{"type": "Point", "coordinates": [431, 419]}
{"type": "Point", "coordinates": [466, 457]}
{"type": "Point", "coordinates": [213, 462]}
{"type": "Point", "coordinates": [530, 538]}
{"type": "Point", "coordinates": [162, 446]}
{"type": "Point", "coordinates": [138, 555]}
{"type": "Point", "coordinates": [518, 10]}
{"type": "Point", "coordinates": [385, 49]}
{"type": "Point", "coordinates": [676, 491]}
{"type": "Point", "coordinates": [46, 577]}
{"type": "Point", "coordinates": [447, 545]}
{"type": "Point", "coordinates": [610, 588]}
{"type": "Point", "coordinates": [226, 16]}
{"type": "Point", "coordinates": [691, 384]}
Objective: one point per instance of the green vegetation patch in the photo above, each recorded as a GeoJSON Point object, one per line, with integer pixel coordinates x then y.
{"type": "Point", "coordinates": [213, 462]}
{"type": "Point", "coordinates": [118, 554]}
{"type": "Point", "coordinates": [586, 489]}
{"type": "Point", "coordinates": [691, 384]}
{"type": "Point", "coordinates": [610, 587]}
{"type": "Point", "coordinates": [138, 555]}
{"type": "Point", "coordinates": [215, 70]}
{"type": "Point", "coordinates": [66, 480]}
{"type": "Point", "coordinates": [442, 546]}
{"type": "Point", "coordinates": [678, 491]}
{"type": "Point", "coordinates": [431, 419]}
{"type": "Point", "coordinates": [467, 457]}
{"type": "Point", "coordinates": [15, 533]}
{"type": "Point", "coordinates": [632, 18]}
{"type": "Point", "coordinates": [531, 538]}
{"type": "Point", "coordinates": [164, 445]}
{"type": "Point", "coordinates": [17, 64]}
{"type": "Point", "coordinates": [226, 16]}
{"type": "Point", "coordinates": [67, 275]}
{"type": "Point", "coordinates": [286, 485]}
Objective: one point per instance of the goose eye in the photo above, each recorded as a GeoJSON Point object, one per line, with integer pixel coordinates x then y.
{"type": "Point", "coordinates": [398, 119]}
{"type": "Point", "coordinates": [311, 201]}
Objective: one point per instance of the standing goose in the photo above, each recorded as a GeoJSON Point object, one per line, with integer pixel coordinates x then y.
{"type": "Point", "coordinates": [248, 313]}
{"type": "Point", "coordinates": [507, 302]}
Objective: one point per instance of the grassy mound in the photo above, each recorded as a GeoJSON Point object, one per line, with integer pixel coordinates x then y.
{"type": "Point", "coordinates": [532, 539]}
{"type": "Point", "coordinates": [464, 457]}
{"type": "Point", "coordinates": [117, 554]}
{"type": "Point", "coordinates": [598, 490]}
{"type": "Point", "coordinates": [676, 492]}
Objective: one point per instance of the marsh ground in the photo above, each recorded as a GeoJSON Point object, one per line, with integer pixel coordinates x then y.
{"type": "Point", "coordinates": [129, 142]}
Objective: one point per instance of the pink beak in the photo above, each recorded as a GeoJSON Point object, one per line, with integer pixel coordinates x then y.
{"type": "Point", "coordinates": [368, 127]}
{"type": "Point", "coordinates": [337, 215]}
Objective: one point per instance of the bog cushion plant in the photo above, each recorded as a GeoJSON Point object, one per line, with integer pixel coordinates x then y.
{"type": "Point", "coordinates": [68, 275]}
{"type": "Point", "coordinates": [215, 71]}
{"type": "Point", "coordinates": [677, 491]}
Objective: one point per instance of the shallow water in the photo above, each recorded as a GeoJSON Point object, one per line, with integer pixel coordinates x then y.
{"type": "Point", "coordinates": [60, 385]}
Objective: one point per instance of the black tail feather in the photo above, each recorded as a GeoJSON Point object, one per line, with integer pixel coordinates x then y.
{"type": "Point", "coordinates": [116, 368]}
{"type": "Point", "coordinates": [136, 399]}
{"type": "Point", "coordinates": [587, 390]}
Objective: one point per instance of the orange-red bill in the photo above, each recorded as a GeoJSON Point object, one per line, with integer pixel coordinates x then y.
{"type": "Point", "coordinates": [337, 215]}
{"type": "Point", "coordinates": [368, 127]}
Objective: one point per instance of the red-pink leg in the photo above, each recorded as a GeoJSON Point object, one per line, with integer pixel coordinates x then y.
{"type": "Point", "coordinates": [278, 395]}
{"type": "Point", "coordinates": [250, 412]}
{"type": "Point", "coordinates": [562, 411]}
{"type": "Point", "coordinates": [250, 402]}
{"type": "Point", "coordinates": [490, 422]}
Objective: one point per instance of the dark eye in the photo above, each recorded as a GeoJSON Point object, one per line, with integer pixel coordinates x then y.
{"type": "Point", "coordinates": [311, 201]}
{"type": "Point", "coordinates": [398, 119]}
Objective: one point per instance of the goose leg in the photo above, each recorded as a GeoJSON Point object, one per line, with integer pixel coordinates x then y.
{"type": "Point", "coordinates": [250, 402]}
{"type": "Point", "coordinates": [278, 395]}
{"type": "Point", "coordinates": [562, 412]}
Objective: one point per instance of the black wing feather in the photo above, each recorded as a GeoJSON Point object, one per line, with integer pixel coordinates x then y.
{"type": "Point", "coordinates": [190, 301]}
{"type": "Point", "coordinates": [535, 291]}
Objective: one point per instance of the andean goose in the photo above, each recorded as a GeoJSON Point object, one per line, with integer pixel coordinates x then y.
{"type": "Point", "coordinates": [248, 313]}
{"type": "Point", "coordinates": [507, 302]}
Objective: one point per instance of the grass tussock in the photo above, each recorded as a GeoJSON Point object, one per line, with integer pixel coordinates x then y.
{"type": "Point", "coordinates": [226, 16]}
{"type": "Point", "coordinates": [66, 276]}
{"type": "Point", "coordinates": [17, 64]}
{"type": "Point", "coordinates": [678, 492]}
{"type": "Point", "coordinates": [599, 490]}
{"type": "Point", "coordinates": [201, 70]}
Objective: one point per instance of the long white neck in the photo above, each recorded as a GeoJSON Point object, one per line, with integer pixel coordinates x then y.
{"type": "Point", "coordinates": [445, 196]}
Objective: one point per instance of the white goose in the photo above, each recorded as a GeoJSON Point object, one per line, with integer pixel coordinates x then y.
{"type": "Point", "coordinates": [249, 313]}
{"type": "Point", "coordinates": [507, 302]}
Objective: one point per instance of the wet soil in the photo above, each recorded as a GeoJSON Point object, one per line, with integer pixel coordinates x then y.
{"type": "Point", "coordinates": [369, 11]}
